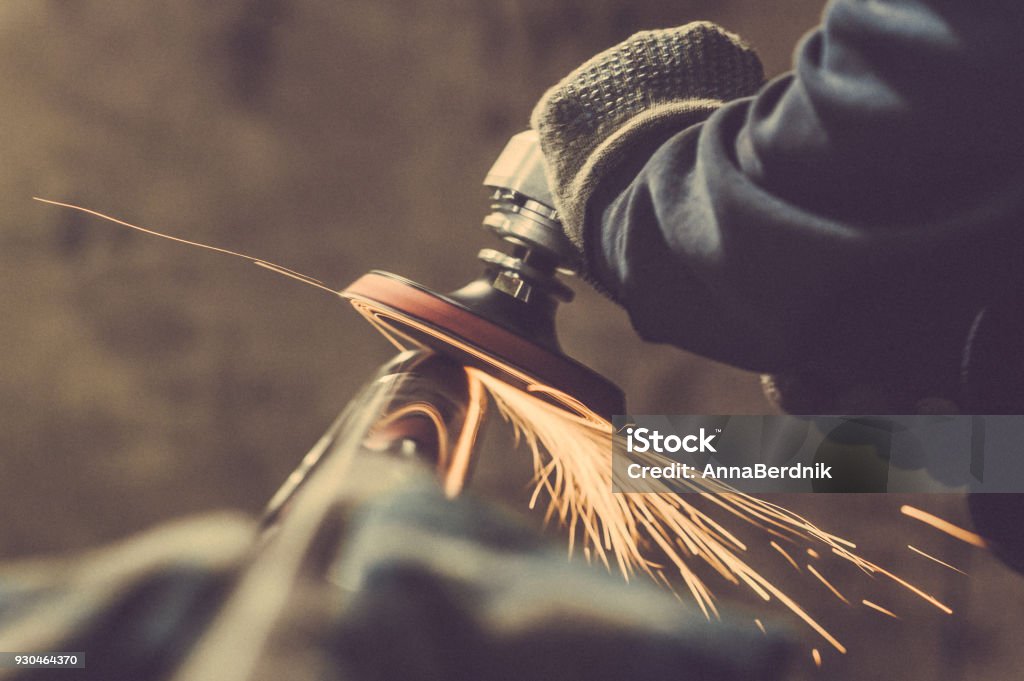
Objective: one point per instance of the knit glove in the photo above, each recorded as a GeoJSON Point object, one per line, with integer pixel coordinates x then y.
{"type": "Point", "coordinates": [646, 88]}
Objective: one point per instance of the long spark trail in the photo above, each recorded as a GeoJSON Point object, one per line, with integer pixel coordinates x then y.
{"type": "Point", "coordinates": [259, 262]}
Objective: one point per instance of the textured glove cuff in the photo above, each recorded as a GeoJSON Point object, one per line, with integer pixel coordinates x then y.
{"type": "Point", "coordinates": [653, 82]}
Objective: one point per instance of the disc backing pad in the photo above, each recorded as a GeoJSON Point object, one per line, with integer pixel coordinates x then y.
{"type": "Point", "coordinates": [411, 314]}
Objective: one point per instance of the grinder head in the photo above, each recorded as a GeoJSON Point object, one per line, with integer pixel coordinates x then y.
{"type": "Point", "coordinates": [503, 322]}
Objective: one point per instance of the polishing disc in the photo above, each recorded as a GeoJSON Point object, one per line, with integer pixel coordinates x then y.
{"type": "Point", "coordinates": [414, 316]}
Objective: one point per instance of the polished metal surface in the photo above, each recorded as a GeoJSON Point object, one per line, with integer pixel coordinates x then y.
{"type": "Point", "coordinates": [419, 409]}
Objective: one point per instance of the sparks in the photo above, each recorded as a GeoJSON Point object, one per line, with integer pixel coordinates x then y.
{"type": "Point", "coordinates": [945, 526]}
{"type": "Point", "coordinates": [573, 470]}
{"type": "Point", "coordinates": [259, 262]}
{"type": "Point", "coordinates": [933, 558]}
{"type": "Point", "coordinates": [828, 584]}
{"type": "Point", "coordinates": [785, 555]}
{"type": "Point", "coordinates": [875, 606]}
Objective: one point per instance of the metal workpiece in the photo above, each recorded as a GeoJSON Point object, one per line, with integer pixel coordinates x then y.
{"type": "Point", "coordinates": [417, 413]}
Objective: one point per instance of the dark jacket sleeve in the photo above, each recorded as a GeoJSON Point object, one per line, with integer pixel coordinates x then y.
{"type": "Point", "coordinates": [868, 199]}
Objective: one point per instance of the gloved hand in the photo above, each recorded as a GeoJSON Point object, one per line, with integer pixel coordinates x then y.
{"type": "Point", "coordinates": [630, 97]}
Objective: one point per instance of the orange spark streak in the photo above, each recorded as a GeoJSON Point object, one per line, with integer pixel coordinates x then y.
{"type": "Point", "coordinates": [824, 581]}
{"type": "Point", "coordinates": [879, 608]}
{"type": "Point", "coordinates": [816, 656]}
{"type": "Point", "coordinates": [760, 626]}
{"type": "Point", "coordinates": [931, 557]}
{"type": "Point", "coordinates": [292, 274]}
{"type": "Point", "coordinates": [860, 562]}
{"type": "Point", "coordinates": [945, 526]}
{"type": "Point", "coordinates": [266, 264]}
{"type": "Point", "coordinates": [813, 554]}
{"type": "Point", "coordinates": [785, 555]}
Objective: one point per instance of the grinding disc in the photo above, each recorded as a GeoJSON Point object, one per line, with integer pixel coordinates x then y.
{"type": "Point", "coordinates": [412, 315]}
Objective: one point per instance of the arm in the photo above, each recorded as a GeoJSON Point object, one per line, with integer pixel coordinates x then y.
{"type": "Point", "coordinates": [845, 209]}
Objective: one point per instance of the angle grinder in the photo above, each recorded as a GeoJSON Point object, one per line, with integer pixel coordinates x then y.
{"type": "Point", "coordinates": [502, 322]}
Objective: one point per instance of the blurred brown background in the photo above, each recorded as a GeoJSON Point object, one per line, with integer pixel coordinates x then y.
{"type": "Point", "coordinates": [141, 380]}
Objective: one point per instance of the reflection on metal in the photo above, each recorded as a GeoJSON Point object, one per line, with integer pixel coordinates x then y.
{"type": "Point", "coordinates": [421, 408]}
{"type": "Point", "coordinates": [459, 462]}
